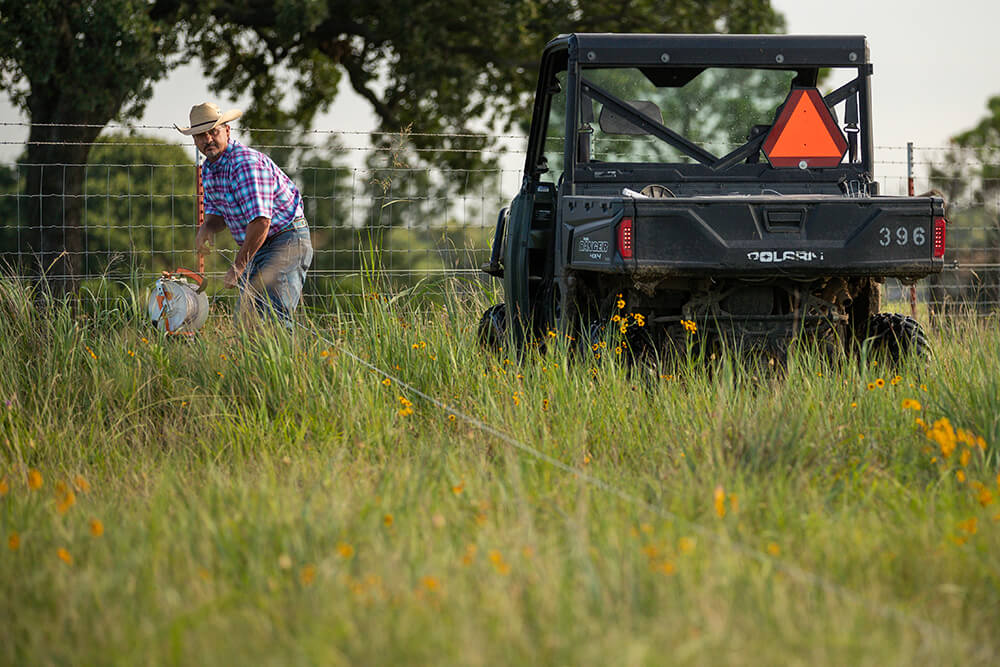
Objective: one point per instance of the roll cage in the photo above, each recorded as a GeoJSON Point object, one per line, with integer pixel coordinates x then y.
{"type": "Point", "coordinates": [673, 60]}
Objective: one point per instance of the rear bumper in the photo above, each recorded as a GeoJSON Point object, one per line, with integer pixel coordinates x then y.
{"type": "Point", "coordinates": [755, 236]}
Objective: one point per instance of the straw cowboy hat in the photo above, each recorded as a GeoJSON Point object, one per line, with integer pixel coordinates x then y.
{"type": "Point", "coordinates": [207, 116]}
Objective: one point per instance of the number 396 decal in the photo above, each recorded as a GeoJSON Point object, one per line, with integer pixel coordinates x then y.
{"type": "Point", "coordinates": [902, 236]}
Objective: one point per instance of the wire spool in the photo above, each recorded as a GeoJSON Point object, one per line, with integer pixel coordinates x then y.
{"type": "Point", "coordinates": [177, 306]}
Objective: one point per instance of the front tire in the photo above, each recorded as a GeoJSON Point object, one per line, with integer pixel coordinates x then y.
{"type": "Point", "coordinates": [492, 331]}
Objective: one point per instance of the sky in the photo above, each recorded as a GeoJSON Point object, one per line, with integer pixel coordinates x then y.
{"type": "Point", "coordinates": [935, 66]}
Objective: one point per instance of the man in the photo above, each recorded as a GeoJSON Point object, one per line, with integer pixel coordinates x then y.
{"type": "Point", "coordinates": [248, 193]}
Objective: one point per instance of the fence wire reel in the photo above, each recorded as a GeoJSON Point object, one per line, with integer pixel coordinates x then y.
{"type": "Point", "coordinates": [178, 305]}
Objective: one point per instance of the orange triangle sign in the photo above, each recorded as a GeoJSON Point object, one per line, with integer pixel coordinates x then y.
{"type": "Point", "coordinates": [805, 132]}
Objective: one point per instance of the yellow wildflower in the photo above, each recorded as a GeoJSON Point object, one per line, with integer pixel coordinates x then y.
{"type": "Point", "coordinates": [324, 354]}
{"type": "Point", "coordinates": [13, 541]}
{"type": "Point", "coordinates": [943, 434]}
{"type": "Point", "coordinates": [91, 352]}
{"type": "Point", "coordinates": [387, 519]}
{"type": "Point", "coordinates": [964, 457]}
{"type": "Point", "coordinates": [871, 385]}
{"type": "Point", "coordinates": [387, 382]}
{"type": "Point", "coordinates": [432, 584]}
{"type": "Point", "coordinates": [720, 502]}
{"type": "Point", "coordinates": [4, 487]}
{"type": "Point", "coordinates": [969, 526]}
{"type": "Point", "coordinates": [64, 556]}
{"type": "Point", "coordinates": [67, 500]}
{"type": "Point", "coordinates": [687, 545]}
{"type": "Point", "coordinates": [985, 496]}
{"type": "Point", "coordinates": [34, 479]}
{"type": "Point", "coordinates": [452, 418]}
{"type": "Point", "coordinates": [499, 564]}
{"type": "Point", "coordinates": [96, 528]}
{"type": "Point", "coordinates": [545, 404]}
{"type": "Point", "coordinates": [307, 574]}
{"type": "Point", "coordinates": [911, 404]}
{"type": "Point", "coordinates": [960, 476]}
{"type": "Point", "coordinates": [896, 380]}
{"type": "Point", "coordinates": [773, 549]}
{"type": "Point", "coordinates": [665, 567]}
{"type": "Point", "coordinates": [620, 303]}
{"type": "Point", "coordinates": [879, 382]}
{"type": "Point", "coordinates": [458, 488]}
{"type": "Point", "coordinates": [81, 484]}
{"type": "Point", "coordinates": [470, 554]}
{"type": "Point", "coordinates": [345, 550]}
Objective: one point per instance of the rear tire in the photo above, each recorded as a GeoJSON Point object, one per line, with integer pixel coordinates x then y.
{"type": "Point", "coordinates": [492, 329]}
{"type": "Point", "coordinates": [897, 337]}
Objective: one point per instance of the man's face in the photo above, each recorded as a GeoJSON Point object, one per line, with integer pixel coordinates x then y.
{"type": "Point", "coordinates": [212, 144]}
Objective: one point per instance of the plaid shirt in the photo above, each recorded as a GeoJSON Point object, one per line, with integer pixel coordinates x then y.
{"type": "Point", "coordinates": [243, 185]}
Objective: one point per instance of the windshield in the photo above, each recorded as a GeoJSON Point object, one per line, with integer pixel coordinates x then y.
{"type": "Point", "coordinates": [717, 110]}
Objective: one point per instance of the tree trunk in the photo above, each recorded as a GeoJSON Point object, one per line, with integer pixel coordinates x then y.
{"type": "Point", "coordinates": [56, 166]}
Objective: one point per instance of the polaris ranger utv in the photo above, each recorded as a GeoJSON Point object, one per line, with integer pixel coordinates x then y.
{"type": "Point", "coordinates": [707, 179]}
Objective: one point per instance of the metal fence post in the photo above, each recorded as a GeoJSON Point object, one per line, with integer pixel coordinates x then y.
{"type": "Point", "coordinates": [199, 207]}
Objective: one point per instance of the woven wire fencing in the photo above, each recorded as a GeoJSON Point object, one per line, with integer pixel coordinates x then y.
{"type": "Point", "coordinates": [386, 207]}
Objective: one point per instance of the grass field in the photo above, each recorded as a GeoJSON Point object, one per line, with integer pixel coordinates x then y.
{"type": "Point", "coordinates": [249, 498]}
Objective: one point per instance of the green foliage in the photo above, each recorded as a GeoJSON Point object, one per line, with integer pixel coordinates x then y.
{"type": "Point", "coordinates": [425, 65]}
{"type": "Point", "coordinates": [266, 498]}
{"type": "Point", "coordinates": [85, 62]}
{"type": "Point", "coordinates": [969, 180]}
{"type": "Point", "coordinates": [138, 206]}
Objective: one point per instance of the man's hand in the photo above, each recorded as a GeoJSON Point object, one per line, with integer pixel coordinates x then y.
{"type": "Point", "coordinates": [256, 234]}
{"type": "Point", "coordinates": [232, 277]}
{"type": "Point", "coordinates": [205, 237]}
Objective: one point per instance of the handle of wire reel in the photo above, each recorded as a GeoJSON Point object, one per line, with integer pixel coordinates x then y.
{"type": "Point", "coordinates": [198, 278]}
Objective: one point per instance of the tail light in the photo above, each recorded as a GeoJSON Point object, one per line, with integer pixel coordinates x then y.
{"type": "Point", "coordinates": [939, 234]}
{"type": "Point", "coordinates": [625, 238]}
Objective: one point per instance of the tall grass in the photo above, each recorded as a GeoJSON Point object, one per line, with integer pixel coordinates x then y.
{"type": "Point", "coordinates": [272, 498]}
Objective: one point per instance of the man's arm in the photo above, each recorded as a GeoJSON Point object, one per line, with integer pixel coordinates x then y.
{"type": "Point", "coordinates": [256, 235]}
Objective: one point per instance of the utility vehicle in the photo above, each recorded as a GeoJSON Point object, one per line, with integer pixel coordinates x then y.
{"type": "Point", "coordinates": [721, 180]}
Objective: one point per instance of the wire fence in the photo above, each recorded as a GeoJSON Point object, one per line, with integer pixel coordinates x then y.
{"type": "Point", "coordinates": [408, 208]}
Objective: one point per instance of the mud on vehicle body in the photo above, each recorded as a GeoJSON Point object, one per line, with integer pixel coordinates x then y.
{"type": "Point", "coordinates": [705, 178]}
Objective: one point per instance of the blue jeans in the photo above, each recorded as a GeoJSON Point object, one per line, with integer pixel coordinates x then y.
{"type": "Point", "coordinates": [273, 280]}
